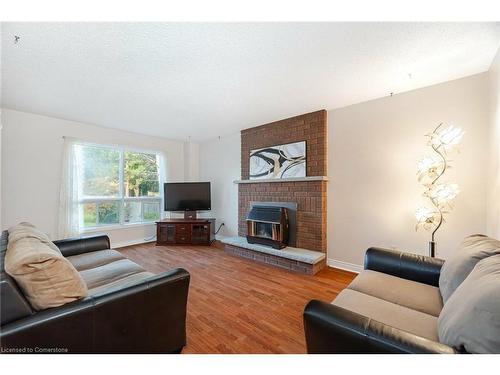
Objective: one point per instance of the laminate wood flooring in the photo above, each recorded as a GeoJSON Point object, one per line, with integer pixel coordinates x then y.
{"type": "Point", "coordinates": [237, 305]}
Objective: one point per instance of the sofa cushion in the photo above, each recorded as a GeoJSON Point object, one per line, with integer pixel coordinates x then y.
{"type": "Point", "coordinates": [470, 319]}
{"type": "Point", "coordinates": [94, 259]}
{"type": "Point", "coordinates": [392, 314]}
{"type": "Point", "coordinates": [107, 270]}
{"type": "Point", "coordinates": [120, 284]}
{"type": "Point", "coordinates": [46, 278]}
{"type": "Point", "coordinates": [456, 268]}
{"type": "Point", "coordinates": [110, 272]}
{"type": "Point", "coordinates": [417, 296]}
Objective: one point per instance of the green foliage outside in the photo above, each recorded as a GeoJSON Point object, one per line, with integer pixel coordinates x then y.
{"type": "Point", "coordinates": [140, 175]}
{"type": "Point", "coordinates": [101, 178]}
{"type": "Point", "coordinates": [109, 213]}
{"type": "Point", "coordinates": [89, 215]}
{"type": "Point", "coordinates": [151, 211]}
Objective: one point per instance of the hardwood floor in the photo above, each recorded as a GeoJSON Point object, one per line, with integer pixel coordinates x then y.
{"type": "Point", "coordinates": [237, 305]}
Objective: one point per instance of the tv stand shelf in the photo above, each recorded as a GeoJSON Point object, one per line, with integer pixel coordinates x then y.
{"type": "Point", "coordinates": [185, 232]}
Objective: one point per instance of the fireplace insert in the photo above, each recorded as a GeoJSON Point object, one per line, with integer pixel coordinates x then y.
{"type": "Point", "coordinates": [268, 225]}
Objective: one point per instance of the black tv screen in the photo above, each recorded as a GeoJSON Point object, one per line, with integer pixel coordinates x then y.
{"type": "Point", "coordinates": [187, 196]}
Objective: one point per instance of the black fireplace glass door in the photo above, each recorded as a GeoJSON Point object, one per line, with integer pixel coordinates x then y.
{"type": "Point", "coordinates": [264, 230]}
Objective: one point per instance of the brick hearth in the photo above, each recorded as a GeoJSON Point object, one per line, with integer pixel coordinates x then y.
{"type": "Point", "coordinates": [273, 260]}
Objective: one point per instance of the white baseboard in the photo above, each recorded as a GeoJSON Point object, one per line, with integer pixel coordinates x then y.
{"type": "Point", "coordinates": [344, 265]}
{"type": "Point", "coordinates": [130, 243]}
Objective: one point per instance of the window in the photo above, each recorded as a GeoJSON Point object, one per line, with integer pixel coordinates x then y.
{"type": "Point", "coordinates": [116, 186]}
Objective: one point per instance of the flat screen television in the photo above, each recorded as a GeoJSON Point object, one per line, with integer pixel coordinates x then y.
{"type": "Point", "coordinates": [187, 196]}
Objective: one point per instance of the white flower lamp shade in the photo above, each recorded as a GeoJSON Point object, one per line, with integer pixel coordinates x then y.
{"type": "Point", "coordinates": [447, 138]}
{"type": "Point", "coordinates": [444, 194]}
{"type": "Point", "coordinates": [426, 218]}
{"type": "Point", "coordinates": [430, 170]}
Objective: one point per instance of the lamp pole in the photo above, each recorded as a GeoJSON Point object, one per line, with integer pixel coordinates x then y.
{"type": "Point", "coordinates": [432, 247]}
{"type": "Point", "coordinates": [432, 243]}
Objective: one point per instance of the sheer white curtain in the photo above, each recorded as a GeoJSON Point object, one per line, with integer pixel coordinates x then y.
{"type": "Point", "coordinates": [69, 224]}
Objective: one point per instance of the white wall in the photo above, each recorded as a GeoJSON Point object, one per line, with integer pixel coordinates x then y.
{"type": "Point", "coordinates": [220, 164]}
{"type": "Point", "coordinates": [191, 161]}
{"type": "Point", "coordinates": [31, 168]}
{"type": "Point", "coordinates": [493, 193]}
{"type": "Point", "coordinates": [373, 150]}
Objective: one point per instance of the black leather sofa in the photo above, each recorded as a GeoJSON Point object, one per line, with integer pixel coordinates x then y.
{"type": "Point", "coordinates": [335, 328]}
{"type": "Point", "coordinates": [132, 312]}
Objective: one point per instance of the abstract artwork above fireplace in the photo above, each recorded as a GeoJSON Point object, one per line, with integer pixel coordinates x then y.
{"type": "Point", "coordinates": [282, 161]}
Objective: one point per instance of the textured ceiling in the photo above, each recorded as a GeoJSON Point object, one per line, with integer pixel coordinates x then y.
{"type": "Point", "coordinates": [181, 80]}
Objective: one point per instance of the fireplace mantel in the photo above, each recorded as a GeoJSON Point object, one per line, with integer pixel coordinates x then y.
{"type": "Point", "coordinates": [295, 179]}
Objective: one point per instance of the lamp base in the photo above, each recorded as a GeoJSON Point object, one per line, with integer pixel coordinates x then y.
{"type": "Point", "coordinates": [432, 249]}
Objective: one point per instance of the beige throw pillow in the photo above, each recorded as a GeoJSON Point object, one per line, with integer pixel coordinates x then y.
{"type": "Point", "coordinates": [46, 277]}
{"type": "Point", "coordinates": [28, 230]}
{"type": "Point", "coordinates": [470, 320]}
{"type": "Point", "coordinates": [455, 269]}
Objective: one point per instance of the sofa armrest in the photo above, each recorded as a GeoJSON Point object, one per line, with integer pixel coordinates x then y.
{"type": "Point", "coordinates": [80, 245]}
{"type": "Point", "coordinates": [152, 316]}
{"type": "Point", "coordinates": [331, 329]}
{"type": "Point", "coordinates": [420, 268]}
{"type": "Point", "coordinates": [147, 317]}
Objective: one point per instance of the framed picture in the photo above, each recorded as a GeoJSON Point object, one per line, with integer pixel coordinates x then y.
{"type": "Point", "coordinates": [283, 161]}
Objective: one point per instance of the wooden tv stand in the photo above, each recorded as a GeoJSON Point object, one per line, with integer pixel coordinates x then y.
{"type": "Point", "coordinates": [185, 232]}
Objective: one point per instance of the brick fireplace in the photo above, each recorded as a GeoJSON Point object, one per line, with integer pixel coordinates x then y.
{"type": "Point", "coordinates": [309, 193]}
{"type": "Point", "coordinates": [310, 196]}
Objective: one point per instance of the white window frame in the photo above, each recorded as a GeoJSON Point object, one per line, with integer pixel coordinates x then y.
{"type": "Point", "coordinates": [121, 199]}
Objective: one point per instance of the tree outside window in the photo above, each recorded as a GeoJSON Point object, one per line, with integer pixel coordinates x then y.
{"type": "Point", "coordinates": [117, 186]}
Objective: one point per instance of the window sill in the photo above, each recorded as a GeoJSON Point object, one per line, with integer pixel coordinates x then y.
{"type": "Point", "coordinates": [105, 228]}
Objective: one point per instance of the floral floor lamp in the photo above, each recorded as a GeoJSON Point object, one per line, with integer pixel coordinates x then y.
{"type": "Point", "coordinates": [430, 170]}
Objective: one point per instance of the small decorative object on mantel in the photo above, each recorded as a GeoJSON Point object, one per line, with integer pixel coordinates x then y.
{"type": "Point", "coordinates": [430, 170]}
{"type": "Point", "coordinates": [276, 162]}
